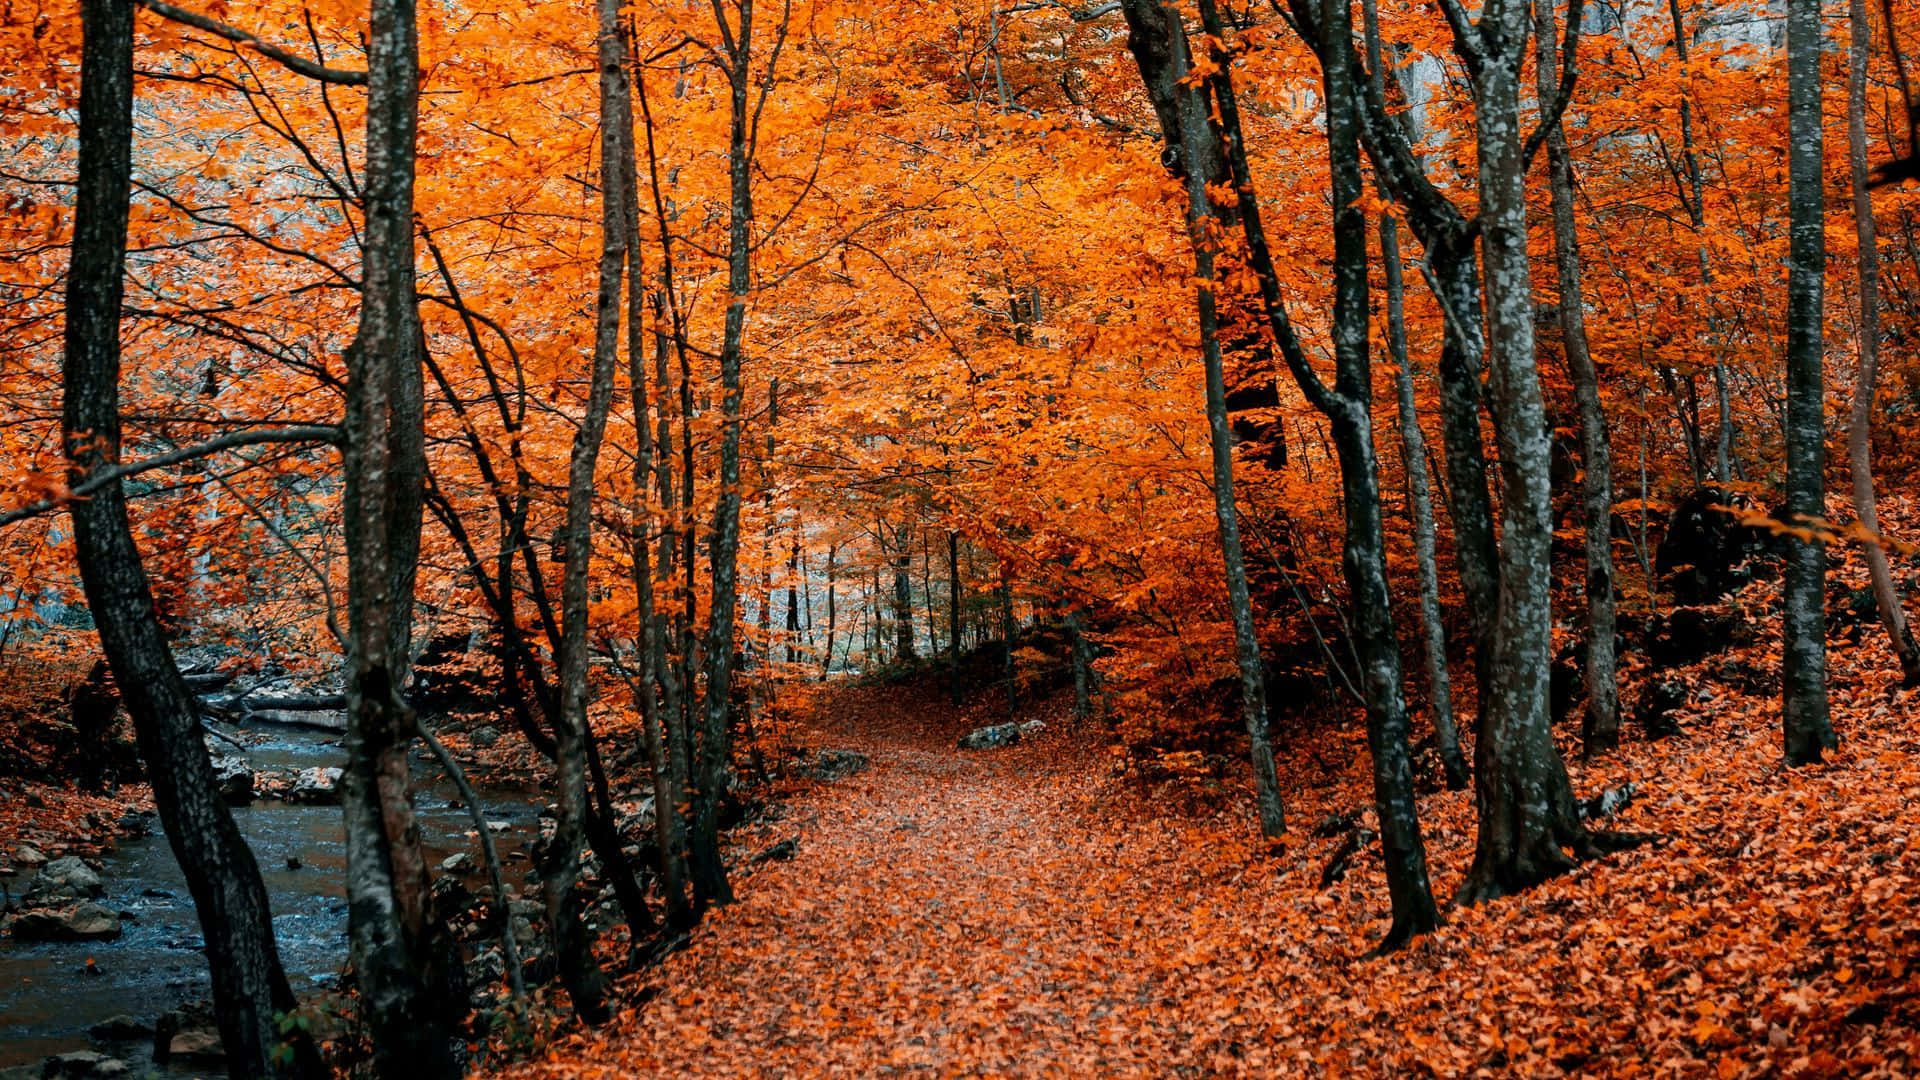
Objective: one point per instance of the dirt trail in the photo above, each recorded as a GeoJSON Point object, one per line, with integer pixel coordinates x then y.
{"type": "Point", "coordinates": [947, 912]}
{"type": "Point", "coordinates": [1020, 912]}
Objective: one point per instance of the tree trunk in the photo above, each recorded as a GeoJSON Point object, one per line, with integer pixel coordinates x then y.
{"type": "Point", "coordinates": [1413, 456]}
{"type": "Point", "coordinates": [1348, 407]}
{"type": "Point", "coordinates": [1526, 809]}
{"type": "Point", "coordinates": [249, 986]}
{"type": "Point", "coordinates": [1808, 730]}
{"type": "Point", "coordinates": [1601, 730]}
{"type": "Point", "coordinates": [1886, 595]}
{"type": "Point", "coordinates": [826, 663]}
{"type": "Point", "coordinates": [1159, 45]}
{"type": "Point", "coordinates": [710, 885]}
{"type": "Point", "coordinates": [399, 959]}
{"type": "Point", "coordinates": [903, 596]}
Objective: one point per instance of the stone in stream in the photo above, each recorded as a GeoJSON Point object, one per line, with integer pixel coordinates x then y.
{"type": "Point", "coordinates": [315, 787]}
{"type": "Point", "coordinates": [460, 862]}
{"type": "Point", "coordinates": [189, 1032]}
{"type": "Point", "coordinates": [60, 881]}
{"type": "Point", "coordinates": [84, 1063]}
{"type": "Point", "coordinates": [87, 921]}
{"type": "Point", "coordinates": [28, 857]}
{"type": "Point", "coordinates": [121, 1028]}
{"type": "Point", "coordinates": [233, 778]}
{"type": "Point", "coordinates": [484, 736]}
{"type": "Point", "coordinates": [991, 737]}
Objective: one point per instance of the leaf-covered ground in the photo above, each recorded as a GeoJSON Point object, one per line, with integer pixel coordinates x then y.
{"type": "Point", "coordinates": [1021, 913]}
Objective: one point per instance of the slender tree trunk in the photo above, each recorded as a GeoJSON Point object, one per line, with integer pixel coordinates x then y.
{"type": "Point", "coordinates": [1348, 407]}
{"type": "Point", "coordinates": [826, 662]}
{"type": "Point", "coordinates": [398, 958]}
{"type": "Point", "coordinates": [1413, 455]}
{"type": "Point", "coordinates": [573, 945]}
{"type": "Point", "coordinates": [1158, 42]}
{"type": "Point", "coordinates": [1808, 729]}
{"type": "Point", "coordinates": [1601, 730]}
{"type": "Point", "coordinates": [710, 885]}
{"type": "Point", "coordinates": [249, 985]}
{"type": "Point", "coordinates": [903, 595]}
{"type": "Point", "coordinates": [793, 599]}
{"type": "Point", "coordinates": [1886, 595]}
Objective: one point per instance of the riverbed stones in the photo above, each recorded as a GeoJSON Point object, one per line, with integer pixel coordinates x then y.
{"type": "Point", "coordinates": [63, 880]}
{"type": "Point", "coordinates": [28, 857]}
{"type": "Point", "coordinates": [460, 862]}
{"type": "Point", "coordinates": [121, 1028]}
{"type": "Point", "coordinates": [830, 765]}
{"type": "Point", "coordinates": [484, 736]}
{"type": "Point", "coordinates": [87, 1064]}
{"type": "Point", "coordinates": [233, 778]}
{"type": "Point", "coordinates": [315, 787]}
{"type": "Point", "coordinates": [86, 921]}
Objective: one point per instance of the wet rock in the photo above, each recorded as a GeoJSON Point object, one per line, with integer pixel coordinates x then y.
{"type": "Point", "coordinates": [1033, 727]}
{"type": "Point", "coordinates": [121, 1028]}
{"type": "Point", "coordinates": [233, 779]}
{"type": "Point", "coordinates": [314, 787]}
{"type": "Point", "coordinates": [457, 863]}
{"type": "Point", "coordinates": [200, 1044]}
{"type": "Point", "coordinates": [192, 1017]}
{"type": "Point", "coordinates": [484, 737]}
{"type": "Point", "coordinates": [294, 863]}
{"type": "Point", "coordinates": [61, 881]}
{"type": "Point", "coordinates": [84, 1063]}
{"type": "Point", "coordinates": [990, 737]}
{"type": "Point", "coordinates": [86, 921]}
{"type": "Point", "coordinates": [29, 857]}
{"type": "Point", "coordinates": [498, 827]}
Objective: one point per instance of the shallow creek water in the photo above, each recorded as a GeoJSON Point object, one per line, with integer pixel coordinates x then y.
{"type": "Point", "coordinates": [48, 996]}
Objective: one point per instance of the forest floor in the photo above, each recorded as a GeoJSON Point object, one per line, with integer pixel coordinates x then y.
{"type": "Point", "coordinates": [1024, 912]}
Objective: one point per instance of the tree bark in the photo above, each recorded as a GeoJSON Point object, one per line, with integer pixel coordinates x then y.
{"type": "Point", "coordinates": [1886, 595]}
{"type": "Point", "coordinates": [1159, 45]}
{"type": "Point", "coordinates": [1348, 408]}
{"type": "Point", "coordinates": [1601, 728]}
{"type": "Point", "coordinates": [249, 985]}
{"type": "Point", "coordinates": [1527, 815]}
{"type": "Point", "coordinates": [1807, 728]}
{"type": "Point", "coordinates": [401, 961]}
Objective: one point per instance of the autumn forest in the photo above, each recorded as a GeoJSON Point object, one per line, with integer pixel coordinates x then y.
{"type": "Point", "coordinates": [1040, 538]}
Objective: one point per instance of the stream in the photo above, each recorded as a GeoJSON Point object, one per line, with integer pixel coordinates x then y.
{"type": "Point", "coordinates": [49, 996]}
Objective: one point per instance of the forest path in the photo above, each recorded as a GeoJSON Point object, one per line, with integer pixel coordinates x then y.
{"type": "Point", "coordinates": [947, 911]}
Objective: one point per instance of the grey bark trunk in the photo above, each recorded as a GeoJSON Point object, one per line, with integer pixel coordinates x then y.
{"type": "Point", "coordinates": [1159, 45]}
{"type": "Point", "coordinates": [1601, 728]}
{"type": "Point", "coordinates": [1413, 456]}
{"type": "Point", "coordinates": [400, 960]}
{"type": "Point", "coordinates": [1808, 729]}
{"type": "Point", "coordinates": [1348, 407]}
{"type": "Point", "coordinates": [1527, 816]}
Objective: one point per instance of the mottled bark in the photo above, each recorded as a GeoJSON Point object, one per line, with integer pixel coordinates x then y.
{"type": "Point", "coordinates": [1808, 729]}
{"type": "Point", "coordinates": [401, 962]}
{"type": "Point", "coordinates": [1886, 594]}
{"type": "Point", "coordinates": [1348, 406]}
{"type": "Point", "coordinates": [1413, 464]}
{"type": "Point", "coordinates": [249, 986]}
{"type": "Point", "coordinates": [1527, 816]}
{"type": "Point", "coordinates": [1601, 728]}
{"type": "Point", "coordinates": [1413, 457]}
{"type": "Point", "coordinates": [1159, 44]}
